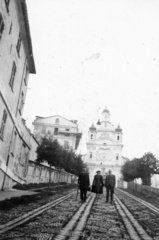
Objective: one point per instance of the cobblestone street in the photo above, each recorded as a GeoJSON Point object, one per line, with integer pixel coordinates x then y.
{"type": "Point", "coordinates": [66, 217]}
{"type": "Point", "coordinates": [103, 222]}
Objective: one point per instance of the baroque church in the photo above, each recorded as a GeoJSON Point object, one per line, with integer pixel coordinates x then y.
{"type": "Point", "coordinates": [104, 148]}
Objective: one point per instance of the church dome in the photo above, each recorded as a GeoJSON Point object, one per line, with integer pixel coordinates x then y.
{"type": "Point", "coordinates": [92, 128]}
{"type": "Point", "coordinates": [98, 123]}
{"type": "Point", "coordinates": [105, 110]}
{"type": "Point", "coordinates": [118, 129]}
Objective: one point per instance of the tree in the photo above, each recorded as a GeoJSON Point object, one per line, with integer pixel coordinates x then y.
{"type": "Point", "coordinates": [129, 170]}
{"type": "Point", "coordinates": [71, 162]}
{"type": "Point", "coordinates": [147, 168]}
{"type": "Point", "coordinates": [58, 156]}
{"type": "Point", "coordinates": [143, 168]}
{"type": "Point", "coordinates": [80, 165]}
{"type": "Point", "coordinates": [48, 151]}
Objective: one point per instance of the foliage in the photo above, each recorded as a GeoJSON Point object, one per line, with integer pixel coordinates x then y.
{"type": "Point", "coordinates": [147, 168]}
{"type": "Point", "coordinates": [48, 151]}
{"type": "Point", "coordinates": [36, 186]}
{"type": "Point", "coordinates": [130, 170]}
{"type": "Point", "coordinates": [143, 168]}
{"type": "Point", "coordinates": [60, 157]}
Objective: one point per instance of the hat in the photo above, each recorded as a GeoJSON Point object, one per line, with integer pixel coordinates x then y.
{"type": "Point", "coordinates": [98, 171]}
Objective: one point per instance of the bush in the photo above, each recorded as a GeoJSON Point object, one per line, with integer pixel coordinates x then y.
{"type": "Point", "coordinates": [36, 185]}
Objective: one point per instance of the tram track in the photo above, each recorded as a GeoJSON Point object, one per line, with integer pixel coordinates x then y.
{"type": "Point", "coordinates": [76, 224]}
{"type": "Point", "coordinates": [135, 230]}
{"type": "Point", "coordinates": [148, 205]}
{"type": "Point", "coordinates": [28, 216]}
{"type": "Point", "coordinates": [93, 219]}
{"type": "Point", "coordinates": [143, 215]}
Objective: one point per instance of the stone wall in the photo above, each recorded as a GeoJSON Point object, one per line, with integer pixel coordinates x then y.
{"type": "Point", "coordinates": [39, 173]}
{"type": "Point", "coordinates": [143, 188]}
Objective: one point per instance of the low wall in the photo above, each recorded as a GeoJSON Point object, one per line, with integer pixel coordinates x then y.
{"type": "Point", "coordinates": [39, 173]}
{"type": "Point", "coordinates": [141, 188]}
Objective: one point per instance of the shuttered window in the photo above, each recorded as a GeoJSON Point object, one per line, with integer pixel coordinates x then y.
{"type": "Point", "coordinates": [12, 77]}
{"type": "Point", "coordinates": [7, 5]}
{"type": "Point", "coordinates": [1, 26]}
{"type": "Point", "coordinates": [3, 123]}
{"type": "Point", "coordinates": [19, 44]}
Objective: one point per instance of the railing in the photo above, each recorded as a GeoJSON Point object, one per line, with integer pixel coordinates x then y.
{"type": "Point", "coordinates": [143, 188]}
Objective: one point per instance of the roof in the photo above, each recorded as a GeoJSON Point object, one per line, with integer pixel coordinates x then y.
{"type": "Point", "coordinates": [92, 128]}
{"type": "Point", "coordinates": [74, 122]}
{"type": "Point", "coordinates": [105, 110]}
{"type": "Point", "coordinates": [25, 30]}
{"type": "Point", "coordinates": [118, 129]}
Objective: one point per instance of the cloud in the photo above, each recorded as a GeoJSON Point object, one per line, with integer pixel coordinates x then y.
{"type": "Point", "coordinates": [93, 56]}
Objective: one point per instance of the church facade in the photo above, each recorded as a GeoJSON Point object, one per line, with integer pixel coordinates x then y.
{"type": "Point", "coordinates": [104, 148]}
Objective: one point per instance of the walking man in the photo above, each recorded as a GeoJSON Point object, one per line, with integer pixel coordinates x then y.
{"type": "Point", "coordinates": [84, 184]}
{"type": "Point", "coordinates": [110, 182]}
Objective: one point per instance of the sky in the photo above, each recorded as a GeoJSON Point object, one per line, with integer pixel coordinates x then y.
{"type": "Point", "coordinates": [92, 54]}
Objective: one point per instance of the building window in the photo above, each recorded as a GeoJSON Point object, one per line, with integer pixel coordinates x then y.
{"type": "Point", "coordinates": [21, 103]}
{"type": "Point", "coordinates": [7, 5]}
{"type": "Point", "coordinates": [48, 132]}
{"type": "Point", "coordinates": [14, 143]}
{"type": "Point", "coordinates": [56, 131]}
{"type": "Point", "coordinates": [91, 136]}
{"type": "Point", "coordinates": [26, 75]}
{"type": "Point", "coordinates": [117, 157]}
{"type": "Point", "coordinates": [11, 82]}
{"type": "Point", "coordinates": [118, 137]}
{"type": "Point", "coordinates": [23, 157]}
{"type": "Point", "coordinates": [57, 121]}
{"type": "Point", "coordinates": [19, 43]}
{"type": "Point", "coordinates": [3, 123]}
{"type": "Point", "coordinates": [1, 26]}
{"type": "Point", "coordinates": [10, 29]}
{"type": "Point", "coordinates": [66, 143]}
{"type": "Point", "coordinates": [43, 129]}
{"type": "Point", "coordinates": [90, 155]}
{"type": "Point", "coordinates": [67, 134]}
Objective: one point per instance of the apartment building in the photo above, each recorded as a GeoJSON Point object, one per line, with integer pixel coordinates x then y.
{"type": "Point", "coordinates": [64, 130]}
{"type": "Point", "coordinates": [16, 63]}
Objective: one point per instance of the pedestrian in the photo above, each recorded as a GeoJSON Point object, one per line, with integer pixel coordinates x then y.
{"type": "Point", "coordinates": [110, 182]}
{"type": "Point", "coordinates": [84, 184]}
{"type": "Point", "coordinates": [98, 184]}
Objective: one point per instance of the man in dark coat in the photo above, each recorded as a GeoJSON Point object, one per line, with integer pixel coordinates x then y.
{"type": "Point", "coordinates": [110, 182]}
{"type": "Point", "coordinates": [98, 184]}
{"type": "Point", "coordinates": [84, 184]}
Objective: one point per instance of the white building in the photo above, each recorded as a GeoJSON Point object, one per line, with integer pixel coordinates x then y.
{"type": "Point", "coordinates": [62, 129]}
{"type": "Point", "coordinates": [16, 63]}
{"type": "Point", "coordinates": [104, 147]}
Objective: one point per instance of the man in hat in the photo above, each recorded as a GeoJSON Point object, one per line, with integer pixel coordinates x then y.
{"type": "Point", "coordinates": [84, 184]}
{"type": "Point", "coordinates": [110, 182]}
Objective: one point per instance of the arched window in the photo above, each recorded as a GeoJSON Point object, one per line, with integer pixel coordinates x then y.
{"type": "Point", "coordinates": [91, 136]}
{"type": "Point", "coordinates": [57, 121]}
{"type": "Point", "coordinates": [90, 155]}
{"type": "Point", "coordinates": [117, 157]}
{"type": "Point", "coordinates": [118, 137]}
